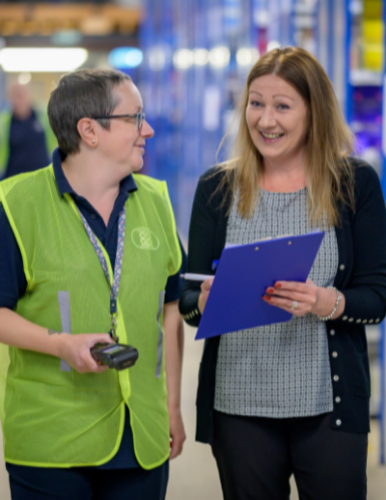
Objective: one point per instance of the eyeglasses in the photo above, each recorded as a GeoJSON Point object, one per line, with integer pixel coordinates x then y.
{"type": "Point", "coordinates": [140, 117]}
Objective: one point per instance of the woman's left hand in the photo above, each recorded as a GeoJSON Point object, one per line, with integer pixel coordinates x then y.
{"type": "Point", "coordinates": [294, 297]}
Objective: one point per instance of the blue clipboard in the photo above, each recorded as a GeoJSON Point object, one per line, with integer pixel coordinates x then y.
{"type": "Point", "coordinates": [243, 275]}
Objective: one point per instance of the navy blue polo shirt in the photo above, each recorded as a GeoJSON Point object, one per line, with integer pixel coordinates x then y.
{"type": "Point", "coordinates": [27, 146]}
{"type": "Point", "coordinates": [13, 283]}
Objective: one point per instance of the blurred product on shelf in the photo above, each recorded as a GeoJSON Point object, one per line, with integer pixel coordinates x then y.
{"type": "Point", "coordinates": [364, 88]}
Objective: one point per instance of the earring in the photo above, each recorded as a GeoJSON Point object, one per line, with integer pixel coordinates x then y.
{"type": "Point", "coordinates": [93, 141]}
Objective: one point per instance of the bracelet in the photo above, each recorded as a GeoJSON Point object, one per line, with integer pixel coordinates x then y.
{"type": "Point", "coordinates": [338, 298]}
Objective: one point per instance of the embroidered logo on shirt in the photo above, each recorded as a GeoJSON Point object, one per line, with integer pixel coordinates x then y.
{"type": "Point", "coordinates": [144, 239]}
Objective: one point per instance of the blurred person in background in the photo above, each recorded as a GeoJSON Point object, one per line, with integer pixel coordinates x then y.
{"type": "Point", "coordinates": [73, 429]}
{"type": "Point", "coordinates": [292, 397]}
{"type": "Point", "coordinates": [26, 138]}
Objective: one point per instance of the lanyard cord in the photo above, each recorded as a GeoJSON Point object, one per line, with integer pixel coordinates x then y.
{"type": "Point", "coordinates": [117, 268]}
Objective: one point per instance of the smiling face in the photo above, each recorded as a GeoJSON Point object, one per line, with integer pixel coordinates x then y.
{"type": "Point", "coordinates": [277, 119]}
{"type": "Point", "coordinates": [123, 143]}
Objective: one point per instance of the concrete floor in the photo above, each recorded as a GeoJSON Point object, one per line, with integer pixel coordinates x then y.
{"type": "Point", "coordinates": [193, 475]}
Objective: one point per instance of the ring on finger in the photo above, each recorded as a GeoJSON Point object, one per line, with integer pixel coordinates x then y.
{"type": "Point", "coordinates": [294, 305]}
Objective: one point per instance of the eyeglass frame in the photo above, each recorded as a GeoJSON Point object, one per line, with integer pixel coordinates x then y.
{"type": "Point", "coordinates": [139, 116]}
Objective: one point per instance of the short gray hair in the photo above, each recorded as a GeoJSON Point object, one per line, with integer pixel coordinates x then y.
{"type": "Point", "coordinates": [81, 94]}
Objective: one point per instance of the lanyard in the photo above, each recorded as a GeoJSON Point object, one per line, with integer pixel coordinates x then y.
{"type": "Point", "coordinates": [117, 269]}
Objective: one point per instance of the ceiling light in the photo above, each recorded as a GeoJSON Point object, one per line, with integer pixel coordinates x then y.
{"type": "Point", "coordinates": [273, 44]}
{"type": "Point", "coordinates": [47, 60]}
{"type": "Point", "coordinates": [219, 57]}
{"type": "Point", "coordinates": [201, 57]}
{"type": "Point", "coordinates": [183, 58]}
{"type": "Point", "coordinates": [247, 56]}
{"type": "Point", "coordinates": [125, 57]}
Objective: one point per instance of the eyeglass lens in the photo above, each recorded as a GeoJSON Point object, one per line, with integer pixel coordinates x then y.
{"type": "Point", "coordinates": [140, 119]}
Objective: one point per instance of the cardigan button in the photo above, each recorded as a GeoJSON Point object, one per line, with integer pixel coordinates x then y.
{"type": "Point", "coordinates": [359, 320]}
{"type": "Point", "coordinates": [332, 332]}
{"type": "Point", "coordinates": [338, 422]}
{"type": "Point", "coordinates": [364, 321]}
{"type": "Point", "coordinates": [336, 378]}
{"type": "Point", "coordinates": [334, 354]}
{"type": "Point", "coordinates": [337, 399]}
{"type": "Point", "coordinates": [341, 267]}
{"type": "Point", "coordinates": [371, 321]}
{"type": "Point", "coordinates": [350, 320]}
{"type": "Point", "coordinates": [345, 318]}
{"type": "Point", "coordinates": [377, 320]}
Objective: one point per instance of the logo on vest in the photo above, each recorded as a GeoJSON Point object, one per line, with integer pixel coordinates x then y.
{"type": "Point", "coordinates": [144, 239]}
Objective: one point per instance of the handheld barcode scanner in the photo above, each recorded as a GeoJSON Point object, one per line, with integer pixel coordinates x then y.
{"type": "Point", "coordinates": [118, 356]}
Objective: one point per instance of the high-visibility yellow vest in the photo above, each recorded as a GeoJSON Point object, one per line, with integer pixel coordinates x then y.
{"type": "Point", "coordinates": [55, 418]}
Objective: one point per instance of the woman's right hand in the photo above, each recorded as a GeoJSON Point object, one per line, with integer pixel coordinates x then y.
{"type": "Point", "coordinates": [75, 349]}
{"type": "Point", "coordinates": [205, 289]}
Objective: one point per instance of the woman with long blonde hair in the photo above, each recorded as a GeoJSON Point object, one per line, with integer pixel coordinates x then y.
{"type": "Point", "coordinates": [293, 397]}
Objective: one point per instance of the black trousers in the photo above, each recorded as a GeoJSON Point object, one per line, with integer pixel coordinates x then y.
{"type": "Point", "coordinates": [87, 483]}
{"type": "Point", "coordinates": [256, 457]}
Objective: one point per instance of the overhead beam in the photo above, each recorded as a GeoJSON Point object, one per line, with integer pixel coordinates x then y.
{"type": "Point", "coordinates": [45, 19]}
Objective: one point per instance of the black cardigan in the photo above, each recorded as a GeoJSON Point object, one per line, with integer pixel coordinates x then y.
{"type": "Point", "coordinates": [361, 276]}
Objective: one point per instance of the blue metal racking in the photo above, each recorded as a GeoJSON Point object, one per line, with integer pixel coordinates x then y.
{"type": "Point", "coordinates": [187, 102]}
{"type": "Point", "coordinates": [382, 342]}
{"type": "Point", "coordinates": [350, 85]}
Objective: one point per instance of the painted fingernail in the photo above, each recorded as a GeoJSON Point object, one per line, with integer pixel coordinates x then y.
{"type": "Point", "coordinates": [277, 285]}
{"type": "Point", "coordinates": [270, 290]}
{"type": "Point", "coordinates": [267, 298]}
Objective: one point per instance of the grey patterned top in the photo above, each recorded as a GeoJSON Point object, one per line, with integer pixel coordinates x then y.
{"type": "Point", "coordinates": [279, 370]}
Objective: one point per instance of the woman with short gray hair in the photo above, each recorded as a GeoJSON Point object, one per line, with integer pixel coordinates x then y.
{"type": "Point", "coordinates": [90, 255]}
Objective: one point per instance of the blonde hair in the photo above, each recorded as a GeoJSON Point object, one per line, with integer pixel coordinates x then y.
{"type": "Point", "coordinates": [329, 141]}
